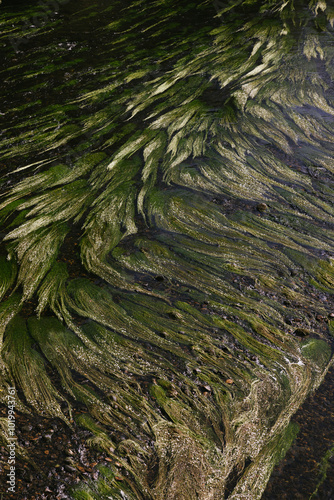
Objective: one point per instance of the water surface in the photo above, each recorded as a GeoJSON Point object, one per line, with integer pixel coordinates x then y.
{"type": "Point", "coordinates": [167, 215]}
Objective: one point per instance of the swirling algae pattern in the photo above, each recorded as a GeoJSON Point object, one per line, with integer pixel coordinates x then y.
{"type": "Point", "coordinates": [190, 169]}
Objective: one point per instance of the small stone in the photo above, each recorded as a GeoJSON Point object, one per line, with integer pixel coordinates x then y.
{"type": "Point", "coordinates": [26, 428]}
{"type": "Point", "coordinates": [262, 207]}
{"type": "Point", "coordinates": [229, 381]}
{"type": "Point", "coordinates": [68, 468]}
{"type": "Point", "coordinates": [331, 315]}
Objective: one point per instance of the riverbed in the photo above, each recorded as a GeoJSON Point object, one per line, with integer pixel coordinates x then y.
{"type": "Point", "coordinates": [167, 247]}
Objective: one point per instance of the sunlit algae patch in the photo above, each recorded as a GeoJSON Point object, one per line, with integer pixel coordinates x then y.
{"type": "Point", "coordinates": [168, 219]}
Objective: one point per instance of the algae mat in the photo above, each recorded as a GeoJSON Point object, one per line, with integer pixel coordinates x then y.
{"type": "Point", "coordinates": [167, 233]}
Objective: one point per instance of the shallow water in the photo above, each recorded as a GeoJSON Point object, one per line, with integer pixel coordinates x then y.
{"type": "Point", "coordinates": [167, 215]}
{"type": "Point", "coordinates": [308, 466]}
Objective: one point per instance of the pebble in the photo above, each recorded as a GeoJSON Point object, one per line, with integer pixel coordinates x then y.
{"type": "Point", "coordinates": [26, 428]}
{"type": "Point", "coordinates": [262, 207]}
{"type": "Point", "coordinates": [69, 468]}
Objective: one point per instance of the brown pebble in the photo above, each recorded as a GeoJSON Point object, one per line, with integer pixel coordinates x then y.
{"type": "Point", "coordinates": [26, 428]}
{"type": "Point", "coordinates": [262, 207]}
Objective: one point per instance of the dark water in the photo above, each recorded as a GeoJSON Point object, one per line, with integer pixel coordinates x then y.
{"type": "Point", "coordinates": [304, 470]}
{"type": "Point", "coordinates": [167, 257]}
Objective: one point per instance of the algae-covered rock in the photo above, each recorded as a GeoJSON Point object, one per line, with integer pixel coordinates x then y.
{"type": "Point", "coordinates": [317, 351]}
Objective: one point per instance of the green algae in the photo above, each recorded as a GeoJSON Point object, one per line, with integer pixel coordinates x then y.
{"type": "Point", "coordinates": [323, 467]}
{"type": "Point", "coordinates": [101, 441]}
{"type": "Point", "coordinates": [8, 272]}
{"type": "Point", "coordinates": [134, 226]}
{"type": "Point", "coordinates": [26, 369]}
{"type": "Point", "coordinates": [109, 485]}
{"type": "Point", "coordinates": [317, 351]}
